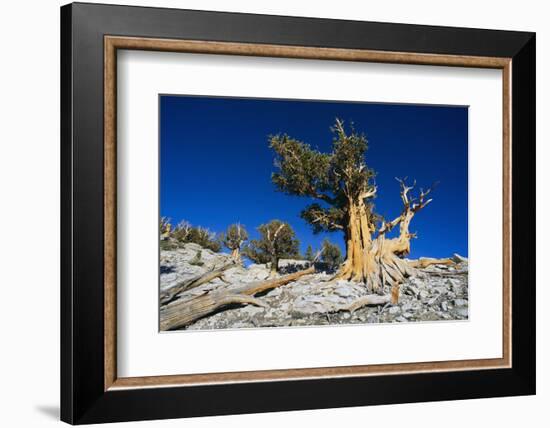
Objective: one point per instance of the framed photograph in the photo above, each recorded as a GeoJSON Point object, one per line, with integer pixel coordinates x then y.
{"type": "Point", "coordinates": [266, 213]}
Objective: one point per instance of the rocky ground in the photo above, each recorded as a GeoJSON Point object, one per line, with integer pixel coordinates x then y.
{"type": "Point", "coordinates": [439, 293]}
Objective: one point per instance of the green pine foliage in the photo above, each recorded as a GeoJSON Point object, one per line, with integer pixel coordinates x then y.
{"type": "Point", "coordinates": [234, 237]}
{"type": "Point", "coordinates": [184, 232]}
{"type": "Point", "coordinates": [277, 240]}
{"type": "Point", "coordinates": [309, 253]}
{"type": "Point", "coordinates": [331, 255]}
{"type": "Point", "coordinates": [333, 179]}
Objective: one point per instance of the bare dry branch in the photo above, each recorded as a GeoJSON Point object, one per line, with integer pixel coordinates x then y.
{"type": "Point", "coordinates": [170, 294]}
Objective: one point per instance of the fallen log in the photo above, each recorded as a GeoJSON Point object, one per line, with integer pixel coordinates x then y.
{"type": "Point", "coordinates": [181, 313]}
{"type": "Point", "coordinates": [171, 293]}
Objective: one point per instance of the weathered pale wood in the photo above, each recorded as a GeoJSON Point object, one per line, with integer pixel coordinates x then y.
{"type": "Point", "coordinates": [170, 294]}
{"type": "Point", "coordinates": [180, 313]}
{"type": "Point", "coordinates": [369, 300]}
{"type": "Point", "coordinates": [424, 262]}
{"type": "Point", "coordinates": [445, 274]}
{"type": "Point", "coordinates": [378, 261]}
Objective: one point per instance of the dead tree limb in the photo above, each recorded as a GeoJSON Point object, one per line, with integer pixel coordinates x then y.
{"type": "Point", "coordinates": [170, 294]}
{"type": "Point", "coordinates": [180, 313]}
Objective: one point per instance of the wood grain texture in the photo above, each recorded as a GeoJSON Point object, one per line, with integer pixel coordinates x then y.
{"type": "Point", "coordinates": [507, 213]}
{"type": "Point", "coordinates": [184, 312]}
{"type": "Point", "coordinates": [110, 222]}
{"type": "Point", "coordinates": [112, 43]}
{"type": "Point", "coordinates": [309, 373]}
{"type": "Point", "coordinates": [301, 52]}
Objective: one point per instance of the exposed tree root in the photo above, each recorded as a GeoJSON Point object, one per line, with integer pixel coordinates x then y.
{"type": "Point", "coordinates": [370, 300]}
{"type": "Point", "coordinates": [445, 274]}
{"type": "Point", "coordinates": [424, 262]}
{"type": "Point", "coordinates": [180, 313]}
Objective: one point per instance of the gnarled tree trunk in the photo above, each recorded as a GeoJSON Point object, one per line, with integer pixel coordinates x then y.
{"type": "Point", "coordinates": [359, 264]}
{"type": "Point", "coordinates": [379, 262]}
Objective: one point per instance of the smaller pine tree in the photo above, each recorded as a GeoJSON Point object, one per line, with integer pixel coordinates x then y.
{"type": "Point", "coordinates": [331, 255]}
{"type": "Point", "coordinates": [309, 253]}
{"type": "Point", "coordinates": [234, 238]}
{"type": "Point", "coordinates": [277, 240]}
{"type": "Point", "coordinates": [184, 232]}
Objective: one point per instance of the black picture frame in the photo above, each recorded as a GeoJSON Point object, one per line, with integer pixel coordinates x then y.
{"type": "Point", "coordinates": [83, 396]}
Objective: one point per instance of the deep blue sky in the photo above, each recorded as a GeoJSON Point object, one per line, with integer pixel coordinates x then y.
{"type": "Point", "coordinates": [215, 163]}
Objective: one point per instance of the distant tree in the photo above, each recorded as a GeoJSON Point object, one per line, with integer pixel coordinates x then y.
{"type": "Point", "coordinates": [309, 253]}
{"type": "Point", "coordinates": [165, 228]}
{"type": "Point", "coordinates": [331, 255]}
{"type": "Point", "coordinates": [277, 240]}
{"type": "Point", "coordinates": [184, 232]}
{"type": "Point", "coordinates": [205, 238]}
{"type": "Point", "coordinates": [234, 238]}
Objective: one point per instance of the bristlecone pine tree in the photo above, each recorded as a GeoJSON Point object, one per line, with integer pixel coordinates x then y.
{"type": "Point", "coordinates": [344, 184]}
{"type": "Point", "coordinates": [277, 241]}
{"type": "Point", "coordinates": [234, 238]}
